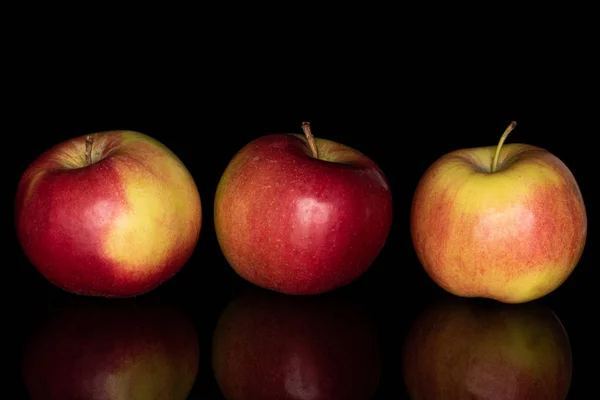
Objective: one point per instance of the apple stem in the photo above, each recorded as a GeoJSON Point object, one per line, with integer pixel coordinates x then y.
{"type": "Point", "coordinates": [311, 139]}
{"type": "Point", "coordinates": [89, 142]}
{"type": "Point", "coordinates": [508, 130]}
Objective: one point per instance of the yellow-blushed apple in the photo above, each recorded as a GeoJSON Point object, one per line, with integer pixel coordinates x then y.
{"type": "Point", "coordinates": [460, 348]}
{"type": "Point", "coordinates": [506, 222]}
{"type": "Point", "coordinates": [112, 214]}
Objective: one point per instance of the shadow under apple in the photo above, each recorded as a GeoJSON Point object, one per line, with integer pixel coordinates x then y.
{"type": "Point", "coordinates": [272, 346]}
{"type": "Point", "coordinates": [109, 349]}
{"type": "Point", "coordinates": [461, 348]}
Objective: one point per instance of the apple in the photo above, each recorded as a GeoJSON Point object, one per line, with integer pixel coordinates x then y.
{"type": "Point", "coordinates": [481, 349]}
{"type": "Point", "coordinates": [506, 223]}
{"type": "Point", "coordinates": [111, 214]}
{"type": "Point", "coordinates": [268, 345]}
{"type": "Point", "coordinates": [111, 349]}
{"type": "Point", "coordinates": [301, 215]}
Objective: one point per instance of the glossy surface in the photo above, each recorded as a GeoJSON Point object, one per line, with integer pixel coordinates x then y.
{"type": "Point", "coordinates": [462, 349]}
{"type": "Point", "coordinates": [270, 346]}
{"type": "Point", "coordinates": [237, 341]}
{"type": "Point", "coordinates": [96, 349]}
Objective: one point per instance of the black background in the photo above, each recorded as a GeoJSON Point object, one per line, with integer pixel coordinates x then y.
{"type": "Point", "coordinates": [402, 102]}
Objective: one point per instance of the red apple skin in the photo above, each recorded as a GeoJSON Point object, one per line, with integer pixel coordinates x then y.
{"type": "Point", "coordinates": [513, 235]}
{"type": "Point", "coordinates": [295, 224]}
{"type": "Point", "coordinates": [112, 350]}
{"type": "Point", "coordinates": [119, 227]}
{"type": "Point", "coordinates": [473, 349]}
{"type": "Point", "coordinates": [269, 346]}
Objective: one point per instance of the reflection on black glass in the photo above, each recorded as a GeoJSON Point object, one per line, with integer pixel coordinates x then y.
{"type": "Point", "coordinates": [473, 349]}
{"type": "Point", "coordinates": [112, 349]}
{"type": "Point", "coordinates": [271, 346]}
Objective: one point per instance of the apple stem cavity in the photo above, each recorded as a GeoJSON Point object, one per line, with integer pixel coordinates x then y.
{"type": "Point", "coordinates": [508, 130]}
{"type": "Point", "coordinates": [311, 139]}
{"type": "Point", "coordinates": [89, 142]}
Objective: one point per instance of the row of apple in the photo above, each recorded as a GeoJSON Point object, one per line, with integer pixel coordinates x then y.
{"type": "Point", "coordinates": [312, 347]}
{"type": "Point", "coordinates": [117, 214]}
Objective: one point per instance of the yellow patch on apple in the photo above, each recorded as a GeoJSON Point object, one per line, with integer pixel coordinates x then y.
{"type": "Point", "coordinates": [143, 226]}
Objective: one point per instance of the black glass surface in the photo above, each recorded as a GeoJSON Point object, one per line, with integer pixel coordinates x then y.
{"type": "Point", "coordinates": [389, 332]}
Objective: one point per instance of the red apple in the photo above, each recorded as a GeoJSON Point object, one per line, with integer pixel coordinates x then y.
{"type": "Point", "coordinates": [300, 215]}
{"type": "Point", "coordinates": [476, 349]}
{"type": "Point", "coordinates": [111, 214]}
{"type": "Point", "coordinates": [271, 346]}
{"type": "Point", "coordinates": [112, 350]}
{"type": "Point", "coordinates": [505, 222]}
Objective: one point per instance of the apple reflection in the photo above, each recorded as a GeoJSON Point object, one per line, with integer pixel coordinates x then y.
{"type": "Point", "coordinates": [272, 346]}
{"type": "Point", "coordinates": [461, 348]}
{"type": "Point", "coordinates": [109, 349]}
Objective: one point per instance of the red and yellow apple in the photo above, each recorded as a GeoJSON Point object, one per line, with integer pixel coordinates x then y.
{"type": "Point", "coordinates": [505, 222]}
{"type": "Point", "coordinates": [112, 349]}
{"type": "Point", "coordinates": [478, 349]}
{"type": "Point", "coordinates": [270, 346]}
{"type": "Point", "coordinates": [300, 215]}
{"type": "Point", "coordinates": [112, 214]}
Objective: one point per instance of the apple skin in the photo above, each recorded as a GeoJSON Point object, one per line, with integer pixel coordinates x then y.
{"type": "Point", "coordinates": [118, 227]}
{"type": "Point", "coordinates": [269, 346]}
{"type": "Point", "coordinates": [112, 349]}
{"type": "Point", "coordinates": [513, 235]}
{"type": "Point", "coordinates": [478, 349]}
{"type": "Point", "coordinates": [296, 224]}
